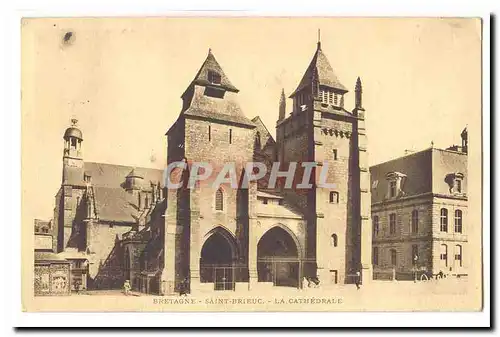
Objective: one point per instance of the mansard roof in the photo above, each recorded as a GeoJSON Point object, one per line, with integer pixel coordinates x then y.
{"type": "Point", "coordinates": [425, 172]}
{"type": "Point", "coordinates": [325, 73]}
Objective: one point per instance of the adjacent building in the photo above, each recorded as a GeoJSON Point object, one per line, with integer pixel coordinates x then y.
{"type": "Point", "coordinates": [419, 212]}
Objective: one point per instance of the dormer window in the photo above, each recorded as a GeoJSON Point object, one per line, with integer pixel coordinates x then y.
{"type": "Point", "coordinates": [458, 185]}
{"type": "Point", "coordinates": [214, 77]}
{"type": "Point", "coordinates": [392, 189]}
{"type": "Point", "coordinates": [396, 182]}
{"type": "Point", "coordinates": [454, 181]}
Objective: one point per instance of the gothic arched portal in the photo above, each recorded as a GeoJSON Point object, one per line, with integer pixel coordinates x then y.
{"type": "Point", "coordinates": [278, 258]}
{"type": "Point", "coordinates": [217, 258]}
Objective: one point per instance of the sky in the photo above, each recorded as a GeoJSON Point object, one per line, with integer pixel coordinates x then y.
{"type": "Point", "coordinates": [122, 79]}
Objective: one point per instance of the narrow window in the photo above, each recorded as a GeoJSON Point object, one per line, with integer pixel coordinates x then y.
{"type": "Point", "coordinates": [330, 97]}
{"type": "Point", "coordinates": [209, 133]}
{"type": "Point", "coordinates": [375, 225]}
{"type": "Point", "coordinates": [458, 255]}
{"type": "Point", "coordinates": [257, 140]}
{"type": "Point", "coordinates": [335, 100]}
{"type": "Point", "coordinates": [414, 254]}
{"type": "Point", "coordinates": [444, 220]}
{"type": "Point", "coordinates": [414, 221]}
{"type": "Point", "coordinates": [458, 221]}
{"type": "Point", "coordinates": [393, 257]}
{"type": "Point", "coordinates": [392, 223]}
{"type": "Point", "coordinates": [335, 153]}
{"type": "Point", "coordinates": [334, 197]}
{"type": "Point", "coordinates": [392, 189]}
{"type": "Point", "coordinates": [265, 201]}
{"type": "Point", "coordinates": [375, 256]}
{"type": "Point", "coordinates": [230, 136]}
{"type": "Point", "coordinates": [219, 200]}
{"type": "Point", "coordinates": [444, 255]}
{"type": "Point", "coordinates": [334, 240]}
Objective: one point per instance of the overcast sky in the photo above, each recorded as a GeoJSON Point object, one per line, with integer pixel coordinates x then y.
{"type": "Point", "coordinates": [122, 79]}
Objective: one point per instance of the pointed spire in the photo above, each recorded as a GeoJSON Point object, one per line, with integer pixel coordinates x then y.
{"type": "Point", "coordinates": [211, 73]}
{"type": "Point", "coordinates": [358, 94]}
{"type": "Point", "coordinates": [320, 68]}
{"type": "Point", "coordinates": [282, 108]}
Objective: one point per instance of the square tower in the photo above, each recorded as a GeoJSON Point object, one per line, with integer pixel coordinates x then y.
{"type": "Point", "coordinates": [322, 131]}
{"type": "Point", "coordinates": [211, 130]}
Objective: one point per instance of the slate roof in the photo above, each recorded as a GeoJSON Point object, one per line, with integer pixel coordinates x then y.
{"type": "Point", "coordinates": [265, 136]}
{"type": "Point", "coordinates": [211, 64]}
{"type": "Point", "coordinates": [225, 108]}
{"type": "Point", "coordinates": [109, 175]}
{"type": "Point", "coordinates": [425, 173]}
{"type": "Point", "coordinates": [446, 162]}
{"type": "Point", "coordinates": [231, 115]}
{"type": "Point", "coordinates": [48, 256]}
{"type": "Point", "coordinates": [115, 204]}
{"type": "Point", "coordinates": [326, 75]}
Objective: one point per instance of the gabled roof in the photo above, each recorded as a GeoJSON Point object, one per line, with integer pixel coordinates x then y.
{"type": "Point", "coordinates": [211, 64]}
{"type": "Point", "coordinates": [325, 73]}
{"type": "Point", "coordinates": [265, 136]}
{"type": "Point", "coordinates": [116, 205]}
{"type": "Point", "coordinates": [110, 175]}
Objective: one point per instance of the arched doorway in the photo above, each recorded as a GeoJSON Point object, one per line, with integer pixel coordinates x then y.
{"type": "Point", "coordinates": [218, 255]}
{"type": "Point", "coordinates": [278, 258]}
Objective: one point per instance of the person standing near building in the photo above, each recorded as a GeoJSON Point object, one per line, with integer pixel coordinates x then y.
{"type": "Point", "coordinates": [357, 279]}
{"type": "Point", "coordinates": [126, 287]}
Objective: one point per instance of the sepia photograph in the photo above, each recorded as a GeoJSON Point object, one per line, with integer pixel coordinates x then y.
{"type": "Point", "coordinates": [251, 164]}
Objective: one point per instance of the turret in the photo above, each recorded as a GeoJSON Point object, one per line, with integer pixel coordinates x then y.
{"type": "Point", "coordinates": [282, 109]}
{"type": "Point", "coordinates": [134, 181]}
{"type": "Point", "coordinates": [73, 155]}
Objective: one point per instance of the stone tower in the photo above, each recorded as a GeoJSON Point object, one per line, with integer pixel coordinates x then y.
{"type": "Point", "coordinates": [322, 131]}
{"type": "Point", "coordinates": [210, 129]}
{"type": "Point", "coordinates": [69, 197]}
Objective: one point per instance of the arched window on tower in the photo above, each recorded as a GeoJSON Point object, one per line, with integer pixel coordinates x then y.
{"type": "Point", "coordinates": [335, 240]}
{"type": "Point", "coordinates": [257, 140]}
{"type": "Point", "coordinates": [219, 200]}
{"type": "Point", "coordinates": [334, 197]}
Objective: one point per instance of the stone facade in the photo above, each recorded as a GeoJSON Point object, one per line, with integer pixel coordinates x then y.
{"type": "Point", "coordinates": [424, 195]}
{"type": "Point", "coordinates": [167, 240]}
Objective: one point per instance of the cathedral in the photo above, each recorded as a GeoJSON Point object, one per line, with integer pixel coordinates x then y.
{"type": "Point", "coordinates": [130, 226]}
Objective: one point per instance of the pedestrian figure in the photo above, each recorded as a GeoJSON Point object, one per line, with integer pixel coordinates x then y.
{"type": "Point", "coordinates": [126, 287]}
{"type": "Point", "coordinates": [183, 287]}
{"type": "Point", "coordinates": [357, 279]}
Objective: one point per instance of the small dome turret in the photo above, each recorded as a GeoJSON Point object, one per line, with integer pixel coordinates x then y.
{"type": "Point", "coordinates": [73, 139]}
{"type": "Point", "coordinates": [134, 181]}
{"type": "Point", "coordinates": [73, 131]}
